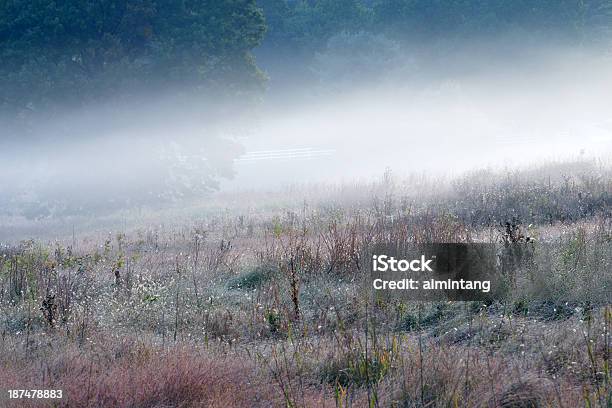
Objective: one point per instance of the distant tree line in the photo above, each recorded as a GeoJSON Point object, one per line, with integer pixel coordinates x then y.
{"type": "Point", "coordinates": [71, 52]}
{"type": "Point", "coordinates": [338, 43]}
{"type": "Point", "coordinates": [307, 24]}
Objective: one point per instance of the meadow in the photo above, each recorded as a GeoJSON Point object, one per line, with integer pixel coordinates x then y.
{"type": "Point", "coordinates": [254, 300]}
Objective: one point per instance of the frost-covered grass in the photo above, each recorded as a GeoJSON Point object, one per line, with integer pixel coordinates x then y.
{"type": "Point", "coordinates": [262, 306]}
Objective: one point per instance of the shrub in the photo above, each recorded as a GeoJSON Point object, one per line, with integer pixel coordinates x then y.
{"type": "Point", "coordinates": [253, 279]}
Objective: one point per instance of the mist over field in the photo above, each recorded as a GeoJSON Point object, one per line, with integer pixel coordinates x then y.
{"type": "Point", "coordinates": [298, 93]}
{"type": "Point", "coordinates": [192, 194]}
{"type": "Point", "coordinates": [483, 107]}
{"type": "Point", "coordinates": [483, 114]}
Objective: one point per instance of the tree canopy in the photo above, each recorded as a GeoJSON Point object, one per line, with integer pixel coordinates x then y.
{"type": "Point", "coordinates": [60, 51]}
{"type": "Point", "coordinates": [301, 23]}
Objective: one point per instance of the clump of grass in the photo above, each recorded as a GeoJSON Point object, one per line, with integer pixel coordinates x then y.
{"type": "Point", "coordinates": [356, 369]}
{"type": "Point", "coordinates": [253, 279]}
{"type": "Point", "coordinates": [553, 310]}
{"type": "Point", "coordinates": [274, 320]}
{"type": "Point", "coordinates": [525, 393]}
{"type": "Point", "coordinates": [408, 322]}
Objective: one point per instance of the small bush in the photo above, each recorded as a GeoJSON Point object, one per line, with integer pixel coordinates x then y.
{"type": "Point", "coordinates": [252, 280]}
{"type": "Point", "coordinates": [409, 323]}
{"type": "Point", "coordinates": [354, 368]}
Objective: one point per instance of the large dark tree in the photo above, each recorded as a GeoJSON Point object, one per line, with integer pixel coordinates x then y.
{"type": "Point", "coordinates": [108, 87]}
{"type": "Point", "coordinates": [69, 52]}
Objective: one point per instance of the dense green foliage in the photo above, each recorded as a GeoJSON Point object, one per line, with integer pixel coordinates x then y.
{"type": "Point", "coordinates": [346, 42]}
{"type": "Point", "coordinates": [423, 17]}
{"type": "Point", "coordinates": [308, 24]}
{"type": "Point", "coordinates": [296, 25]}
{"type": "Point", "coordinates": [74, 52]}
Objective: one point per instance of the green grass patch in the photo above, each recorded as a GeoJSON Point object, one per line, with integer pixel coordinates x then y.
{"type": "Point", "coordinates": [253, 279]}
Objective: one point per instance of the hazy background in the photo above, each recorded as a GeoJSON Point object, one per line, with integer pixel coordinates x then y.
{"type": "Point", "coordinates": [119, 105]}
{"type": "Point", "coordinates": [491, 111]}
